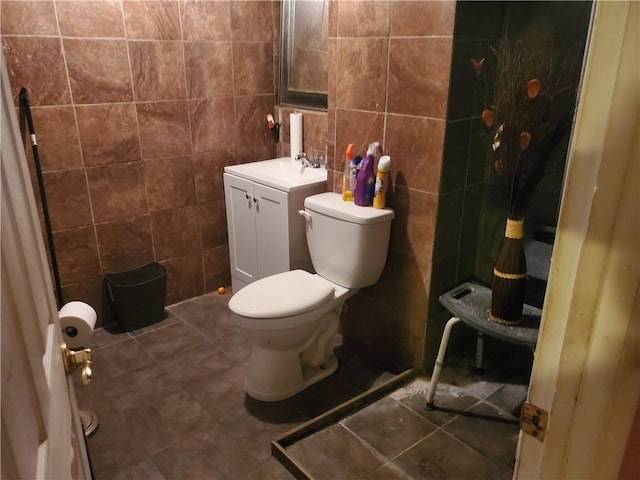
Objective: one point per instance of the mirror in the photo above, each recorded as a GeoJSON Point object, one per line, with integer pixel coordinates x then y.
{"type": "Point", "coordinates": [303, 60]}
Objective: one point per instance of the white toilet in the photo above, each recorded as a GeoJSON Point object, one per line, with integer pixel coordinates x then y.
{"type": "Point", "coordinates": [291, 319]}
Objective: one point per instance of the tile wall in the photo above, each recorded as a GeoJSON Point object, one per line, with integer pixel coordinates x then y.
{"type": "Point", "coordinates": [159, 95]}
{"type": "Point", "coordinates": [389, 67]}
{"type": "Point", "coordinates": [138, 106]}
{"type": "Point", "coordinates": [463, 168]}
{"type": "Point", "coordinates": [472, 207]}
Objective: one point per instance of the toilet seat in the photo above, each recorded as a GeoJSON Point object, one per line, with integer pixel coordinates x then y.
{"type": "Point", "coordinates": [285, 294]}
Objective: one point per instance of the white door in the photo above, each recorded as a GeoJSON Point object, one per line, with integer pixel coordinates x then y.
{"type": "Point", "coordinates": [587, 362]}
{"type": "Point", "coordinates": [272, 230]}
{"type": "Point", "coordinates": [241, 226]}
{"type": "Point", "coordinates": [41, 430]}
{"type": "Point", "coordinates": [258, 225]}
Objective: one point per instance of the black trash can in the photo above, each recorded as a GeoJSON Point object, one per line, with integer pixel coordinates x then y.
{"type": "Point", "coordinates": [137, 297]}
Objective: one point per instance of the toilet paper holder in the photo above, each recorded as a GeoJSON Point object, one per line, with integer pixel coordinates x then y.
{"type": "Point", "coordinates": [73, 359]}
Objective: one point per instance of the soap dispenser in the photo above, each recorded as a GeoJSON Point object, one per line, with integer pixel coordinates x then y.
{"type": "Point", "coordinates": [366, 179]}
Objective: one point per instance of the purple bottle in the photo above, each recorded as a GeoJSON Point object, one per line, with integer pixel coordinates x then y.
{"type": "Point", "coordinates": [366, 179]}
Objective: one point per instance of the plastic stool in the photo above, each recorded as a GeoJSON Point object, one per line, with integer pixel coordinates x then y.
{"type": "Point", "coordinates": [470, 303]}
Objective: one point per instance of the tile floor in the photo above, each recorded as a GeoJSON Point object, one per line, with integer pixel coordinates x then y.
{"type": "Point", "coordinates": [171, 405]}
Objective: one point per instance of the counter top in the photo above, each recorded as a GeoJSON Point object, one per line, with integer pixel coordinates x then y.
{"type": "Point", "coordinates": [279, 173]}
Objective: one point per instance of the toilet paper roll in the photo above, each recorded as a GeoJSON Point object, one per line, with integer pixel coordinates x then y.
{"type": "Point", "coordinates": [295, 134]}
{"type": "Point", "coordinates": [77, 320]}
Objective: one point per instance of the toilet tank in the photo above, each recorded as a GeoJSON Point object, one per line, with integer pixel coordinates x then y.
{"type": "Point", "coordinates": [348, 244]}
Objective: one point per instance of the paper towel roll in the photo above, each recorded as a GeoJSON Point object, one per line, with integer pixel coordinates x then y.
{"type": "Point", "coordinates": [77, 320]}
{"type": "Point", "coordinates": [295, 134]}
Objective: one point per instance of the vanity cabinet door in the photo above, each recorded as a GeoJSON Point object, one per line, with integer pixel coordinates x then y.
{"type": "Point", "coordinates": [272, 230]}
{"type": "Point", "coordinates": [242, 228]}
{"type": "Point", "coordinates": [258, 225]}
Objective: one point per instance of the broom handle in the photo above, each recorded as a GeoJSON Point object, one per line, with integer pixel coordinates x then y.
{"type": "Point", "coordinates": [25, 102]}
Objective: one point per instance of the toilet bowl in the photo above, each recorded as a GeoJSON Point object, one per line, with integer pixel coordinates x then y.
{"type": "Point", "coordinates": [291, 319]}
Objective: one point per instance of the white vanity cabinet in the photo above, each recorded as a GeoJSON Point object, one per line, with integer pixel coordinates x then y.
{"type": "Point", "coordinates": [266, 232]}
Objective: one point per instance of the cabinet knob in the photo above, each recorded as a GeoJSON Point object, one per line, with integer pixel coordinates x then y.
{"type": "Point", "coordinates": [246, 195]}
{"type": "Point", "coordinates": [255, 200]}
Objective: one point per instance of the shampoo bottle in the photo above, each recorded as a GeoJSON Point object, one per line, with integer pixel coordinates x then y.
{"type": "Point", "coordinates": [382, 178]}
{"type": "Point", "coordinates": [348, 178]}
{"type": "Point", "coordinates": [365, 182]}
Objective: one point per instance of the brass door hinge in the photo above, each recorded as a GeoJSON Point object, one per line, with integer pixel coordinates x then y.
{"type": "Point", "coordinates": [533, 420]}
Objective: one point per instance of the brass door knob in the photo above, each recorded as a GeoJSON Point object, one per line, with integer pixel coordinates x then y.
{"type": "Point", "coordinates": [77, 358]}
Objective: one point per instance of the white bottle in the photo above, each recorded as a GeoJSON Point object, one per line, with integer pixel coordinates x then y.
{"type": "Point", "coordinates": [382, 181]}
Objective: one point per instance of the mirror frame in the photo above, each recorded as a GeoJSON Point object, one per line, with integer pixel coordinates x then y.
{"type": "Point", "coordinates": [287, 97]}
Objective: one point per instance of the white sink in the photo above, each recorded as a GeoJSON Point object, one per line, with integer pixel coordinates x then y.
{"type": "Point", "coordinates": [280, 173]}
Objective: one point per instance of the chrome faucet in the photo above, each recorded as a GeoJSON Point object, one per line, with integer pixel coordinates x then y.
{"type": "Point", "coordinates": [303, 159]}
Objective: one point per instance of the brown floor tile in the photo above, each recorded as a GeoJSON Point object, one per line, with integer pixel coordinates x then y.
{"type": "Point", "coordinates": [169, 319]}
{"type": "Point", "coordinates": [360, 374]}
{"type": "Point", "coordinates": [90, 397]}
{"type": "Point", "coordinates": [166, 421]}
{"type": "Point", "coordinates": [139, 387]}
{"type": "Point", "coordinates": [255, 432]}
{"type": "Point", "coordinates": [221, 393]}
{"type": "Point", "coordinates": [509, 397]}
{"type": "Point", "coordinates": [283, 411]}
{"type": "Point", "coordinates": [118, 358]}
{"type": "Point", "coordinates": [335, 453]}
{"type": "Point", "coordinates": [272, 469]}
{"type": "Point", "coordinates": [235, 346]}
{"type": "Point", "coordinates": [479, 386]}
{"type": "Point", "coordinates": [208, 453]}
{"type": "Point", "coordinates": [442, 457]}
{"type": "Point", "coordinates": [484, 429]}
{"type": "Point", "coordinates": [213, 323]}
{"type": "Point", "coordinates": [195, 363]}
{"type": "Point", "coordinates": [170, 340]}
{"type": "Point", "coordinates": [388, 426]}
{"type": "Point", "coordinates": [388, 471]}
{"type": "Point", "coordinates": [103, 337]}
{"type": "Point", "coordinates": [324, 395]}
{"type": "Point", "coordinates": [196, 306]}
{"type": "Point", "coordinates": [141, 471]}
{"type": "Point", "coordinates": [109, 453]}
{"type": "Point", "coordinates": [450, 400]}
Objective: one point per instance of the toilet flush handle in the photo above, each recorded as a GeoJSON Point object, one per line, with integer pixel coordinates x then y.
{"type": "Point", "coordinates": [306, 215]}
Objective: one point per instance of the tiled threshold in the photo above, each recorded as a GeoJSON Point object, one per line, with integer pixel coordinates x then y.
{"type": "Point", "coordinates": [280, 444]}
{"type": "Point", "coordinates": [387, 433]}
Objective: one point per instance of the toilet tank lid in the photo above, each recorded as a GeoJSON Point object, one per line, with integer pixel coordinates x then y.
{"type": "Point", "coordinates": [282, 295]}
{"type": "Point", "coordinates": [331, 204]}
